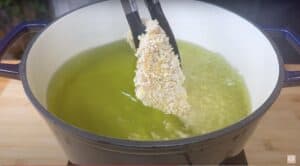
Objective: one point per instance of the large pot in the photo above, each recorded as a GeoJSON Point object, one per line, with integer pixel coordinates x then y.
{"type": "Point", "coordinates": [242, 44]}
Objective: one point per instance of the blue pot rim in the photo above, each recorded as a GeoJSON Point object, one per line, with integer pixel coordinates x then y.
{"type": "Point", "coordinates": [88, 136]}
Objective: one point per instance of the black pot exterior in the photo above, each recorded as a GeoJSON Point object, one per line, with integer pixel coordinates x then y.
{"type": "Point", "coordinates": [211, 151]}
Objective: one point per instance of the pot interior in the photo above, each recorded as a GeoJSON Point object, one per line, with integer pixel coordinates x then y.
{"type": "Point", "coordinates": [211, 27]}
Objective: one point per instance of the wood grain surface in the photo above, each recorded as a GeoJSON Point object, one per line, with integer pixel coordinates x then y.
{"type": "Point", "coordinates": [26, 139]}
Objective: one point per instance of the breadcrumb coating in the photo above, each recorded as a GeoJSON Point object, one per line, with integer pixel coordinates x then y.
{"type": "Point", "coordinates": [159, 78]}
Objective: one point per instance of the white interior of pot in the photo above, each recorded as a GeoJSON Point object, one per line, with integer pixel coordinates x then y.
{"type": "Point", "coordinates": [214, 28]}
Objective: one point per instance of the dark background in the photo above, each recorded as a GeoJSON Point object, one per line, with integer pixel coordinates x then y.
{"type": "Point", "coordinates": [13, 12]}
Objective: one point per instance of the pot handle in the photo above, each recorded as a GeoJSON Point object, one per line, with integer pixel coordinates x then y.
{"type": "Point", "coordinates": [292, 78]}
{"type": "Point", "coordinates": [12, 70]}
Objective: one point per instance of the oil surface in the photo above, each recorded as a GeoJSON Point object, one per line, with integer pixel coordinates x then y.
{"type": "Point", "coordinates": [95, 91]}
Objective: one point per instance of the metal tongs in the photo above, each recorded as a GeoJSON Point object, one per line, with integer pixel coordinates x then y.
{"type": "Point", "coordinates": [136, 25]}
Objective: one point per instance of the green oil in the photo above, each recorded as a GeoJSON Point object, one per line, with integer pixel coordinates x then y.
{"type": "Point", "coordinates": [95, 91]}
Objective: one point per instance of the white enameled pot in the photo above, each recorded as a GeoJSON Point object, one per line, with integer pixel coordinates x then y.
{"type": "Point", "coordinates": [242, 44]}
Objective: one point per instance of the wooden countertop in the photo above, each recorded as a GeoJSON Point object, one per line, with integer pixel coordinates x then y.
{"type": "Point", "coordinates": [26, 139]}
